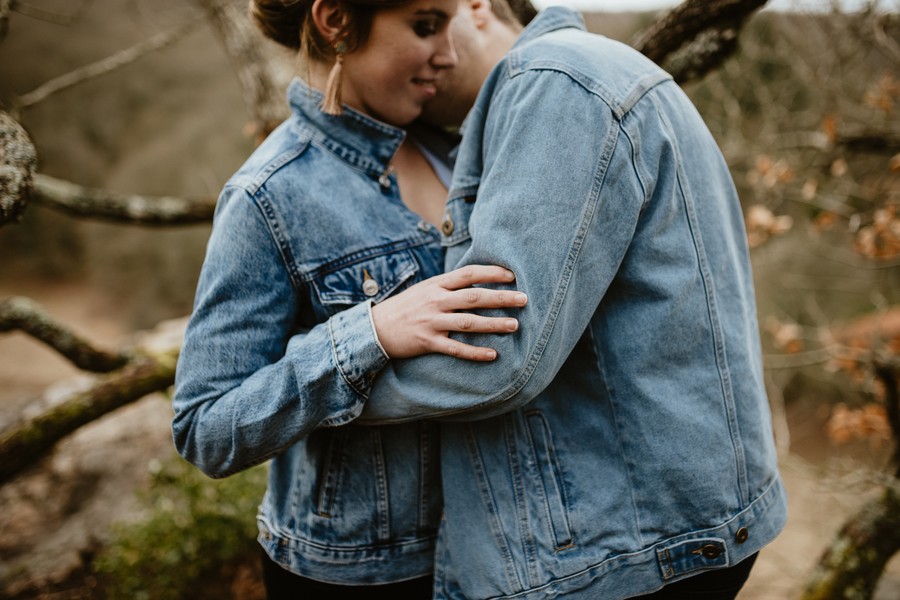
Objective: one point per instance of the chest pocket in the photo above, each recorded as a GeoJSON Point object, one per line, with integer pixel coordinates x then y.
{"type": "Point", "coordinates": [373, 278]}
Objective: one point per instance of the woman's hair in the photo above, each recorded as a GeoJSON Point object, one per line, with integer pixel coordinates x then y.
{"type": "Point", "coordinates": [290, 23]}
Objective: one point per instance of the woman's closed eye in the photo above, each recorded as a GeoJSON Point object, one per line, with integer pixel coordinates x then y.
{"type": "Point", "coordinates": [425, 28]}
{"type": "Point", "coordinates": [430, 22]}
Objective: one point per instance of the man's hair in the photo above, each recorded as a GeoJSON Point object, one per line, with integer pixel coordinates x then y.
{"type": "Point", "coordinates": [504, 12]}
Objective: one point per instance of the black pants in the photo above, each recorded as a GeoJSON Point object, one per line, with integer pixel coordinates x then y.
{"type": "Point", "coordinates": [721, 584]}
{"type": "Point", "coordinates": [284, 585]}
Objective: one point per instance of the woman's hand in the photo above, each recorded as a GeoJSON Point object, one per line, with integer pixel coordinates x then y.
{"type": "Point", "coordinates": [417, 320]}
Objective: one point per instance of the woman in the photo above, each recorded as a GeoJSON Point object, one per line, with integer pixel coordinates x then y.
{"type": "Point", "coordinates": [335, 211]}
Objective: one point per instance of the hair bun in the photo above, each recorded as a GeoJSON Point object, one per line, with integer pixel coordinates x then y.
{"type": "Point", "coordinates": [279, 20]}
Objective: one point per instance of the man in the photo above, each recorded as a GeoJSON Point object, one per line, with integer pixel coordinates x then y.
{"type": "Point", "coordinates": [620, 443]}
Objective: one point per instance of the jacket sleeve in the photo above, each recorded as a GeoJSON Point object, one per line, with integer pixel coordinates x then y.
{"type": "Point", "coordinates": [248, 385]}
{"type": "Point", "coordinates": [557, 202]}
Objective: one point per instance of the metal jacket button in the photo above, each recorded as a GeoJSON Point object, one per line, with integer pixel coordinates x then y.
{"type": "Point", "coordinates": [385, 179]}
{"type": "Point", "coordinates": [369, 286]}
{"type": "Point", "coordinates": [447, 226]}
{"type": "Point", "coordinates": [710, 551]}
{"type": "Point", "coordinates": [741, 535]}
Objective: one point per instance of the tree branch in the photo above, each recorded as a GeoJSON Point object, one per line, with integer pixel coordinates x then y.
{"type": "Point", "coordinates": [24, 443]}
{"type": "Point", "coordinates": [703, 54]}
{"type": "Point", "coordinates": [81, 201]}
{"type": "Point", "coordinates": [18, 161]}
{"type": "Point", "coordinates": [706, 30]}
{"type": "Point", "coordinates": [883, 40]}
{"type": "Point", "coordinates": [871, 141]}
{"type": "Point", "coordinates": [888, 376]}
{"type": "Point", "coordinates": [106, 65]}
{"type": "Point", "coordinates": [261, 80]}
{"type": "Point", "coordinates": [855, 560]}
{"type": "Point", "coordinates": [6, 7]}
{"type": "Point", "coordinates": [27, 316]}
{"type": "Point", "coordinates": [51, 16]}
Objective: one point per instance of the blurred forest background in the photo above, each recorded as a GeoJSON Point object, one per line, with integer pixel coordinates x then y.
{"type": "Point", "coordinates": [807, 113]}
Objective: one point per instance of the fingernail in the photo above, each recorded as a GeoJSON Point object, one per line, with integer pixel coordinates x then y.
{"type": "Point", "coordinates": [510, 275]}
{"type": "Point", "coordinates": [490, 354]}
{"type": "Point", "coordinates": [512, 324]}
{"type": "Point", "coordinates": [521, 298]}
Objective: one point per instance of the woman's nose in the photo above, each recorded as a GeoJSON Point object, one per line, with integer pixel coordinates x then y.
{"type": "Point", "coordinates": [446, 56]}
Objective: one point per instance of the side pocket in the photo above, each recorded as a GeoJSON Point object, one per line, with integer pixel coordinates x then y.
{"type": "Point", "coordinates": [430, 499]}
{"type": "Point", "coordinates": [553, 486]}
{"type": "Point", "coordinates": [330, 470]}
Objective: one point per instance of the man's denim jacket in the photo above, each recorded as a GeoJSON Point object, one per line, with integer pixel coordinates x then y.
{"type": "Point", "coordinates": [280, 349]}
{"type": "Point", "coordinates": [629, 442]}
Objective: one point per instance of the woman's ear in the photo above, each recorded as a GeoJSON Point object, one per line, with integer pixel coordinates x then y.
{"type": "Point", "coordinates": [330, 19]}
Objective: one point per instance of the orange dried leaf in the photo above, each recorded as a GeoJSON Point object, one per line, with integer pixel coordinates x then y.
{"type": "Point", "coordinates": [830, 127]}
{"type": "Point", "coordinates": [824, 221]}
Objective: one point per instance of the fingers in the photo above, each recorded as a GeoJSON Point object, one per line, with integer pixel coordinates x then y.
{"type": "Point", "coordinates": [457, 349]}
{"type": "Point", "coordinates": [473, 274]}
{"type": "Point", "coordinates": [483, 298]}
{"type": "Point", "coordinates": [469, 323]}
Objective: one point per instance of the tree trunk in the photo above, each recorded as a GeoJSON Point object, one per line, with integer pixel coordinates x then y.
{"type": "Point", "coordinates": [853, 564]}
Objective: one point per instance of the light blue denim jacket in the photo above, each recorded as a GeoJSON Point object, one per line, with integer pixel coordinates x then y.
{"type": "Point", "coordinates": [280, 349]}
{"type": "Point", "coordinates": [625, 438]}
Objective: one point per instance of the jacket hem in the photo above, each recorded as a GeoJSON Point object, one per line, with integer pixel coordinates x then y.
{"type": "Point", "coordinates": [375, 564]}
{"type": "Point", "coordinates": [628, 575]}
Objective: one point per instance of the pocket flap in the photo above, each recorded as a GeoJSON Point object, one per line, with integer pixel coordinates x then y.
{"type": "Point", "coordinates": [373, 278]}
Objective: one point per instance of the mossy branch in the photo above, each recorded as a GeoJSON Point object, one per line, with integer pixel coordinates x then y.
{"type": "Point", "coordinates": [131, 209]}
{"type": "Point", "coordinates": [18, 161]}
{"type": "Point", "coordinates": [27, 316]}
{"type": "Point", "coordinates": [23, 444]}
{"type": "Point", "coordinates": [855, 560]}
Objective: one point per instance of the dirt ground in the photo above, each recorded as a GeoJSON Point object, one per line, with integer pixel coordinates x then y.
{"type": "Point", "coordinates": [54, 515]}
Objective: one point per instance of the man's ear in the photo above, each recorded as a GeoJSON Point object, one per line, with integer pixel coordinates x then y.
{"type": "Point", "coordinates": [481, 12]}
{"type": "Point", "coordinates": [330, 19]}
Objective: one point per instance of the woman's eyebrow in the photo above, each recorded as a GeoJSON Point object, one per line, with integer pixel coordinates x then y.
{"type": "Point", "coordinates": [432, 11]}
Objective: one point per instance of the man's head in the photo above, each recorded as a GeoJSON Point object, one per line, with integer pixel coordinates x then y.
{"type": "Point", "coordinates": [483, 31]}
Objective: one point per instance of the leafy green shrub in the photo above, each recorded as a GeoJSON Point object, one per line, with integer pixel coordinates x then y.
{"type": "Point", "coordinates": [194, 526]}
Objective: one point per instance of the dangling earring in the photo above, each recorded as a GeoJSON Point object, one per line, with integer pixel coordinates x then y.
{"type": "Point", "coordinates": [331, 104]}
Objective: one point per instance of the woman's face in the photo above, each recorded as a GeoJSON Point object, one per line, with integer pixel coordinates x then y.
{"type": "Point", "coordinates": [396, 70]}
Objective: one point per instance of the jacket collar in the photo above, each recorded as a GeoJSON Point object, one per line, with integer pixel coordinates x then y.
{"type": "Point", "coordinates": [550, 19]}
{"type": "Point", "coordinates": [356, 138]}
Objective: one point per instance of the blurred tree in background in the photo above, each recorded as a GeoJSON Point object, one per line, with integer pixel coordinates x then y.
{"type": "Point", "coordinates": [806, 108]}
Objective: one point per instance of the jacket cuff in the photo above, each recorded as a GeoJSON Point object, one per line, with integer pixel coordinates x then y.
{"type": "Point", "coordinates": [357, 351]}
